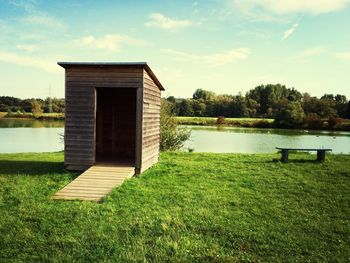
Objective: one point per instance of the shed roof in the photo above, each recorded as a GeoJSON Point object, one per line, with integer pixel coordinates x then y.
{"type": "Point", "coordinates": [110, 64]}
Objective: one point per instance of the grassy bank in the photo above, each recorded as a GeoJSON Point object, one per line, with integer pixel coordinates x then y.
{"type": "Point", "coordinates": [28, 115]}
{"type": "Point", "coordinates": [189, 207]}
{"type": "Point", "coordinates": [251, 123]}
{"type": "Point", "coordinates": [238, 122]}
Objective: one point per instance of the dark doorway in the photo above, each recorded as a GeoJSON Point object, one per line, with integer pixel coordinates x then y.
{"type": "Point", "coordinates": [116, 125]}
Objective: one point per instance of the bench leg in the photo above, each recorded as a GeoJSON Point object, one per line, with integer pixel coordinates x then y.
{"type": "Point", "coordinates": [284, 156]}
{"type": "Point", "coordinates": [321, 155]}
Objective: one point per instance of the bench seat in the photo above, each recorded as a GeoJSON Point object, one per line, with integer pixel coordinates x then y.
{"type": "Point", "coordinates": [321, 153]}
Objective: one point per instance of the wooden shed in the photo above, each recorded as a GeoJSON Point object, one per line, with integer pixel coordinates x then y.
{"type": "Point", "coordinates": [112, 114]}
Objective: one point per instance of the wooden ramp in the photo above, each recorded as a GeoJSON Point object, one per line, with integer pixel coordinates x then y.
{"type": "Point", "coordinates": [96, 182]}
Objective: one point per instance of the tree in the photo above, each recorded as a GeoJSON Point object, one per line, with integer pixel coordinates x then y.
{"type": "Point", "coordinates": [171, 99]}
{"type": "Point", "coordinates": [240, 107]}
{"type": "Point", "coordinates": [171, 137]}
{"type": "Point", "coordinates": [289, 114]}
{"type": "Point", "coordinates": [268, 95]}
{"type": "Point", "coordinates": [36, 109]}
{"type": "Point", "coordinates": [253, 107]}
{"type": "Point", "coordinates": [347, 113]}
{"type": "Point", "coordinates": [340, 99]}
{"type": "Point", "coordinates": [327, 107]}
{"type": "Point", "coordinates": [185, 108]}
{"type": "Point", "coordinates": [199, 108]}
{"type": "Point", "coordinates": [203, 94]}
{"type": "Point", "coordinates": [10, 103]}
{"type": "Point", "coordinates": [341, 105]}
{"type": "Point", "coordinates": [26, 105]}
{"type": "Point", "coordinates": [58, 105]}
{"type": "Point", "coordinates": [327, 97]}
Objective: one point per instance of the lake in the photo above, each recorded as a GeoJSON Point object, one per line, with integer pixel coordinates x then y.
{"type": "Point", "coordinates": [45, 136]}
{"type": "Point", "coordinates": [30, 136]}
{"type": "Point", "coordinates": [251, 140]}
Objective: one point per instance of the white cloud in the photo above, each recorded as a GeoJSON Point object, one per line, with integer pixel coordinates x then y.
{"type": "Point", "coordinates": [28, 48]}
{"type": "Point", "coordinates": [43, 20]}
{"type": "Point", "coordinates": [280, 7]}
{"type": "Point", "coordinates": [217, 59]}
{"type": "Point", "coordinates": [36, 62]}
{"type": "Point", "coordinates": [342, 55]}
{"type": "Point", "coordinates": [27, 5]}
{"type": "Point", "coordinates": [158, 20]}
{"type": "Point", "coordinates": [35, 16]}
{"type": "Point", "coordinates": [311, 52]}
{"type": "Point", "coordinates": [110, 42]}
{"type": "Point", "coordinates": [289, 32]}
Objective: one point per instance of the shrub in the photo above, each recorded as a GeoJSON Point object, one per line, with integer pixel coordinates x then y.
{"type": "Point", "coordinates": [313, 121]}
{"type": "Point", "coordinates": [171, 136]}
{"type": "Point", "coordinates": [221, 120]}
{"type": "Point", "coordinates": [334, 121]}
{"type": "Point", "coordinates": [261, 124]}
{"type": "Point", "coordinates": [36, 109]}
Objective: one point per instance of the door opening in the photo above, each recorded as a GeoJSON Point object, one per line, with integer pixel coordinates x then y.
{"type": "Point", "coordinates": [116, 125]}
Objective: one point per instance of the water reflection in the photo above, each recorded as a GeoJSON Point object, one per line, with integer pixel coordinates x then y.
{"type": "Point", "coordinates": [25, 135]}
{"type": "Point", "coordinates": [30, 123]}
{"type": "Point", "coordinates": [289, 132]}
{"type": "Point", "coordinates": [250, 140]}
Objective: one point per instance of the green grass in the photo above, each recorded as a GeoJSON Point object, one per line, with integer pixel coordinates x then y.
{"type": "Point", "coordinates": [240, 122]}
{"type": "Point", "coordinates": [188, 208]}
{"type": "Point", "coordinates": [250, 123]}
{"type": "Point", "coordinates": [29, 115]}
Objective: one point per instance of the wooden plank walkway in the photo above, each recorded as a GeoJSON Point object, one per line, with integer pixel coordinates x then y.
{"type": "Point", "coordinates": [96, 182]}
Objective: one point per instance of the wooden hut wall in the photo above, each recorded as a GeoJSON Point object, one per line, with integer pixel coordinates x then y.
{"type": "Point", "coordinates": [150, 122]}
{"type": "Point", "coordinates": [81, 84]}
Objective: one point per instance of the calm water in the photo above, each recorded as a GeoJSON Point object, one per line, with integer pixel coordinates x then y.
{"type": "Point", "coordinates": [30, 136]}
{"type": "Point", "coordinates": [248, 140]}
{"type": "Point", "coordinates": [44, 136]}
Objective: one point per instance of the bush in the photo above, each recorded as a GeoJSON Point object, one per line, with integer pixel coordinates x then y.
{"type": "Point", "coordinates": [261, 124]}
{"type": "Point", "coordinates": [221, 120]}
{"type": "Point", "coordinates": [171, 136]}
{"type": "Point", "coordinates": [36, 109]}
{"type": "Point", "coordinates": [313, 121]}
{"type": "Point", "coordinates": [334, 121]}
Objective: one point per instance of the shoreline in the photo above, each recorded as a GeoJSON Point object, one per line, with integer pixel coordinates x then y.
{"type": "Point", "coordinates": [260, 123]}
{"type": "Point", "coordinates": [29, 116]}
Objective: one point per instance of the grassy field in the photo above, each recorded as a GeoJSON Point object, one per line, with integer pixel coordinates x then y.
{"type": "Point", "coordinates": [240, 122]}
{"type": "Point", "coordinates": [250, 123]}
{"type": "Point", "coordinates": [188, 208]}
{"type": "Point", "coordinates": [28, 115]}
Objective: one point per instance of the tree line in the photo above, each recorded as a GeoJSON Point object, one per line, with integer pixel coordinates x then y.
{"type": "Point", "coordinates": [288, 106]}
{"type": "Point", "coordinates": [16, 105]}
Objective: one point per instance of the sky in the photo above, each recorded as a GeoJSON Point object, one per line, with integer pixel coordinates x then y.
{"type": "Point", "coordinates": [226, 46]}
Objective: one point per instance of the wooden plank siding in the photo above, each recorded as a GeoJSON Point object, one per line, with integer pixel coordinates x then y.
{"type": "Point", "coordinates": [80, 130]}
{"type": "Point", "coordinates": [150, 122]}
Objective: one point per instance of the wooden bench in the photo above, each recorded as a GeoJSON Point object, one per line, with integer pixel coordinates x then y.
{"type": "Point", "coordinates": [321, 153]}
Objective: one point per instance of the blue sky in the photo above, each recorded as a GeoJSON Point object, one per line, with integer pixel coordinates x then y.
{"type": "Point", "coordinates": [226, 46]}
